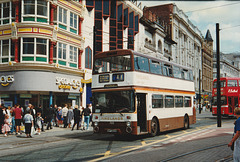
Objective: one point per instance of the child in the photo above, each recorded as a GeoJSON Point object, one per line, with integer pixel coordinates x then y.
{"type": "Point", "coordinates": [39, 120]}
{"type": "Point", "coordinates": [6, 126]}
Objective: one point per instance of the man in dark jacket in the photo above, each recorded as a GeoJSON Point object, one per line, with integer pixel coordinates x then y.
{"type": "Point", "coordinates": [77, 117]}
{"type": "Point", "coordinates": [49, 117]}
{"type": "Point", "coordinates": [86, 113]}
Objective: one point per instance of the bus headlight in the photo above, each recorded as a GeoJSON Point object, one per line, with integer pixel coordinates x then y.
{"type": "Point", "coordinates": [128, 124]}
{"type": "Point", "coordinates": [96, 124]}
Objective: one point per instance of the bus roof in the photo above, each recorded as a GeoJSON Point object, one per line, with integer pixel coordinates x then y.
{"type": "Point", "coordinates": [227, 78]}
{"type": "Point", "coordinates": [129, 51]}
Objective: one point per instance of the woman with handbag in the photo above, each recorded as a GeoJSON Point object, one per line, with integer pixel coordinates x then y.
{"type": "Point", "coordinates": [236, 140]}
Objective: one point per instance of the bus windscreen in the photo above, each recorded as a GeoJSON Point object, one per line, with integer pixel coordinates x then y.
{"type": "Point", "coordinates": [112, 64]}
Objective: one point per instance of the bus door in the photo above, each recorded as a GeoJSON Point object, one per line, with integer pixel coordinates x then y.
{"type": "Point", "coordinates": [232, 103]}
{"type": "Point", "coordinates": [141, 112]}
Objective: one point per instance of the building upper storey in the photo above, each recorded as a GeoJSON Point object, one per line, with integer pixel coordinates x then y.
{"type": "Point", "coordinates": [41, 31]}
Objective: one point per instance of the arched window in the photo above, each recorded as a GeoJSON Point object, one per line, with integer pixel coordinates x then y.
{"type": "Point", "coordinates": [88, 58]}
{"type": "Point", "coordinates": [160, 46]}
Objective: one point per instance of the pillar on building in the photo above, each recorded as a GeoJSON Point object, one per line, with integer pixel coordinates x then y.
{"type": "Point", "coordinates": [80, 26]}
{"type": "Point", "coordinates": [50, 98]}
{"type": "Point", "coordinates": [15, 41]}
{"type": "Point", "coordinates": [53, 7]}
{"type": "Point", "coordinates": [16, 4]}
{"type": "Point", "coordinates": [15, 99]}
{"type": "Point", "coordinates": [80, 59]}
{"type": "Point", "coordinates": [51, 52]}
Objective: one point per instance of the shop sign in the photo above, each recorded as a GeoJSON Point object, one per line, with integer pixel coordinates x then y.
{"type": "Point", "coordinates": [6, 80]}
{"type": "Point", "coordinates": [4, 95]}
{"type": "Point", "coordinates": [25, 95]}
{"type": "Point", "coordinates": [65, 83]}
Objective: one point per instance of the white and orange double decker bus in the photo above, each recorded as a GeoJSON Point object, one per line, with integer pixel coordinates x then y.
{"type": "Point", "coordinates": [137, 94]}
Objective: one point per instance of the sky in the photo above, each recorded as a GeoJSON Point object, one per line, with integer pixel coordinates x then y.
{"type": "Point", "coordinates": [205, 14]}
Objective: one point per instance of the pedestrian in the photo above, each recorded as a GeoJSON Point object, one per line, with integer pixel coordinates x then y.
{"type": "Point", "coordinates": [49, 117]}
{"type": "Point", "coordinates": [86, 113]}
{"type": "Point", "coordinates": [236, 139]}
{"type": "Point", "coordinates": [6, 126]}
{"type": "Point", "coordinates": [39, 120]}
{"type": "Point", "coordinates": [1, 118]}
{"type": "Point", "coordinates": [77, 117]}
{"type": "Point", "coordinates": [34, 114]}
{"type": "Point", "coordinates": [55, 111]}
{"type": "Point", "coordinates": [13, 127]}
{"type": "Point", "coordinates": [59, 116]}
{"type": "Point", "coordinates": [90, 107]}
{"type": "Point", "coordinates": [40, 110]}
{"type": "Point", "coordinates": [28, 122]}
{"type": "Point", "coordinates": [70, 116]}
{"type": "Point", "coordinates": [18, 119]}
{"type": "Point", "coordinates": [64, 115]}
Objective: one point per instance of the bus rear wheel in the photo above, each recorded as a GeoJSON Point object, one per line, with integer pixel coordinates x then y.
{"type": "Point", "coordinates": [186, 122]}
{"type": "Point", "coordinates": [154, 127]}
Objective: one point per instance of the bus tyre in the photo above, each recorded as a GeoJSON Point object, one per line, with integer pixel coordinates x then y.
{"type": "Point", "coordinates": [154, 127]}
{"type": "Point", "coordinates": [186, 122]}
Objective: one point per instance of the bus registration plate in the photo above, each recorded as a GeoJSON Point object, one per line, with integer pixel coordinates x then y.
{"type": "Point", "coordinates": [112, 130]}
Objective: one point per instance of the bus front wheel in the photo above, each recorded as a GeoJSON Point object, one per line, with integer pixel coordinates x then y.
{"type": "Point", "coordinates": [154, 127]}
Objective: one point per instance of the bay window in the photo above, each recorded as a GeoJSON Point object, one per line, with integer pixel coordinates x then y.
{"type": "Point", "coordinates": [35, 10]}
{"type": "Point", "coordinates": [67, 55]}
{"type": "Point", "coordinates": [67, 20]}
{"type": "Point", "coordinates": [6, 51]}
{"type": "Point", "coordinates": [34, 49]}
{"type": "Point", "coordinates": [7, 13]}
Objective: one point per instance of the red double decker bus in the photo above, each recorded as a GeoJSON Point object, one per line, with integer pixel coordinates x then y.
{"type": "Point", "coordinates": [229, 96]}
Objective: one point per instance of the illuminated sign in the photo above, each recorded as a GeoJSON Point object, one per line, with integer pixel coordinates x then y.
{"type": "Point", "coordinates": [65, 83]}
{"type": "Point", "coordinates": [104, 78]}
{"type": "Point", "coordinates": [118, 77]}
{"type": "Point", "coordinates": [6, 80]}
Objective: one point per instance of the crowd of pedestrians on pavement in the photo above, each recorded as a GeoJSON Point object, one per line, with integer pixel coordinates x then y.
{"type": "Point", "coordinates": [32, 120]}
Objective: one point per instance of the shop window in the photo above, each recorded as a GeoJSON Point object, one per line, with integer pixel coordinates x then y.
{"type": "Point", "coordinates": [7, 13]}
{"type": "Point", "coordinates": [34, 50]}
{"type": "Point", "coordinates": [37, 10]}
{"type": "Point", "coordinates": [88, 58]}
{"type": "Point", "coordinates": [6, 52]}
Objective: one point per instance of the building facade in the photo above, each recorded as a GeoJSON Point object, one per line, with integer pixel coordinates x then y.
{"type": "Point", "coordinates": [207, 66]}
{"type": "Point", "coordinates": [229, 65]}
{"type": "Point", "coordinates": [188, 38]}
{"type": "Point", "coordinates": [41, 52]}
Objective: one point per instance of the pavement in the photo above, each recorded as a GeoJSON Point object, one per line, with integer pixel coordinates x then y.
{"type": "Point", "coordinates": [201, 136]}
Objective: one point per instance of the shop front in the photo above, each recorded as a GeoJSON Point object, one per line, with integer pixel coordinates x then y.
{"type": "Point", "coordinates": [40, 88]}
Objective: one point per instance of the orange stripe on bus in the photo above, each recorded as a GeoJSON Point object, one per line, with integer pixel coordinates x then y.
{"type": "Point", "coordinates": [164, 90]}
